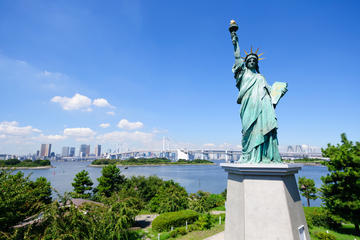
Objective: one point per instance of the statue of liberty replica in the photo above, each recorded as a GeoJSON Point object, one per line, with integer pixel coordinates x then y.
{"type": "Point", "coordinates": [263, 200]}
{"type": "Point", "coordinates": [258, 101]}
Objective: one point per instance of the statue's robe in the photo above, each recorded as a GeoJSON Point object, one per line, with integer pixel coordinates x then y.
{"type": "Point", "coordinates": [257, 113]}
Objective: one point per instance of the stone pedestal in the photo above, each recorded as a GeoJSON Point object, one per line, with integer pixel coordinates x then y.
{"type": "Point", "coordinates": [263, 203]}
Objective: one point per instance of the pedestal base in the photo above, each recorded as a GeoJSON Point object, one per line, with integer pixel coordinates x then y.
{"type": "Point", "coordinates": [263, 202]}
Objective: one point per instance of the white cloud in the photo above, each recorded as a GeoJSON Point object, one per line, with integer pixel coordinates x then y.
{"type": "Point", "coordinates": [80, 102]}
{"type": "Point", "coordinates": [102, 102]}
{"type": "Point", "coordinates": [125, 124]}
{"type": "Point", "coordinates": [111, 113]}
{"type": "Point", "coordinates": [12, 128]}
{"type": "Point", "coordinates": [2, 136]}
{"type": "Point", "coordinates": [104, 125]}
{"type": "Point", "coordinates": [79, 132]}
{"type": "Point", "coordinates": [77, 102]}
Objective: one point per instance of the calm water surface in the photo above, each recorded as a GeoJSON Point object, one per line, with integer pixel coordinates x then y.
{"type": "Point", "coordinates": [209, 178]}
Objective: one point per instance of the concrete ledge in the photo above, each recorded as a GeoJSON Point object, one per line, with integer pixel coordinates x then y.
{"type": "Point", "coordinates": [263, 202]}
{"type": "Point", "coordinates": [261, 169]}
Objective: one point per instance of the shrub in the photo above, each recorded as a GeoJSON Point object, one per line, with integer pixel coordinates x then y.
{"type": "Point", "coordinates": [21, 197]}
{"type": "Point", "coordinates": [324, 236]}
{"type": "Point", "coordinates": [178, 231]}
{"type": "Point", "coordinates": [173, 233]}
{"type": "Point", "coordinates": [181, 230]}
{"type": "Point", "coordinates": [165, 221]}
{"type": "Point", "coordinates": [171, 197]}
{"type": "Point", "coordinates": [320, 217]}
{"type": "Point", "coordinates": [193, 227]}
{"type": "Point", "coordinates": [204, 201]}
{"type": "Point", "coordinates": [205, 221]}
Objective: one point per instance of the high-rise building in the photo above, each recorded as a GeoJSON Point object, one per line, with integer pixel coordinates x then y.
{"type": "Point", "coordinates": [45, 150]}
{"type": "Point", "coordinates": [98, 150]}
{"type": "Point", "coordinates": [72, 152]}
{"type": "Point", "coordinates": [84, 150]}
{"type": "Point", "coordinates": [65, 152]}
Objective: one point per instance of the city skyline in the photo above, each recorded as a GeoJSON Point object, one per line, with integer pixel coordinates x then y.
{"type": "Point", "coordinates": [69, 151]}
{"type": "Point", "coordinates": [130, 73]}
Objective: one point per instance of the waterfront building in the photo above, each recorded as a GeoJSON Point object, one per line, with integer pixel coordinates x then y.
{"type": "Point", "coordinates": [84, 150]}
{"type": "Point", "coordinates": [45, 150]}
{"type": "Point", "coordinates": [98, 150]}
{"type": "Point", "coordinates": [72, 152]}
{"type": "Point", "coordinates": [65, 152]}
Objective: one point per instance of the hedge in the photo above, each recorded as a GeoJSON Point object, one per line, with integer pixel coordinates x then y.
{"type": "Point", "coordinates": [320, 217]}
{"type": "Point", "coordinates": [165, 221]}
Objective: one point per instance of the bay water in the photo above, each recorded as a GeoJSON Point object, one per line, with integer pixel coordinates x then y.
{"type": "Point", "coordinates": [209, 178]}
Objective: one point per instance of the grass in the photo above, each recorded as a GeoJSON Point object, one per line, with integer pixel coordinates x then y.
{"type": "Point", "coordinates": [194, 235]}
{"type": "Point", "coordinates": [340, 235]}
{"type": "Point", "coordinates": [346, 232]}
{"type": "Point", "coordinates": [197, 235]}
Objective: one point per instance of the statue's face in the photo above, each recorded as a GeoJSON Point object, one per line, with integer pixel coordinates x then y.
{"type": "Point", "coordinates": [251, 63]}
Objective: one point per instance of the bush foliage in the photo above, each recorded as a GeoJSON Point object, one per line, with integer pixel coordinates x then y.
{"type": "Point", "coordinates": [21, 197]}
{"type": "Point", "coordinates": [320, 217]}
{"type": "Point", "coordinates": [324, 236]}
{"type": "Point", "coordinates": [170, 197]}
{"type": "Point", "coordinates": [165, 221]}
{"type": "Point", "coordinates": [204, 201]}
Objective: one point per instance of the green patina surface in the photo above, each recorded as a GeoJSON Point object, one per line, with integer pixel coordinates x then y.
{"type": "Point", "coordinates": [258, 101]}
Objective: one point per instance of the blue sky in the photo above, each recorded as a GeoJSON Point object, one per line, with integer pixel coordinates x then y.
{"type": "Point", "coordinates": [148, 69]}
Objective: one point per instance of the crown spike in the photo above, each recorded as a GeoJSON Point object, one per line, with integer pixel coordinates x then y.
{"type": "Point", "coordinates": [257, 50]}
{"type": "Point", "coordinates": [246, 52]}
{"type": "Point", "coordinates": [261, 59]}
{"type": "Point", "coordinates": [260, 54]}
{"type": "Point", "coordinates": [251, 50]}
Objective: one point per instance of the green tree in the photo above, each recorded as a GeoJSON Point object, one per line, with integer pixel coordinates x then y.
{"type": "Point", "coordinates": [88, 221]}
{"type": "Point", "coordinates": [12, 162]}
{"type": "Point", "coordinates": [341, 187]}
{"type": "Point", "coordinates": [146, 188]}
{"type": "Point", "coordinates": [21, 198]}
{"type": "Point", "coordinates": [170, 198]}
{"type": "Point", "coordinates": [110, 181]}
{"type": "Point", "coordinates": [198, 201]}
{"type": "Point", "coordinates": [82, 185]}
{"type": "Point", "coordinates": [307, 189]}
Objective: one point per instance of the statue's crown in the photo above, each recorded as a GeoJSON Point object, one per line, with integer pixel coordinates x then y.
{"type": "Point", "coordinates": [253, 55]}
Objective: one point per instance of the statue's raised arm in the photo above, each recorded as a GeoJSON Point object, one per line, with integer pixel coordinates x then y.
{"type": "Point", "coordinates": [235, 40]}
